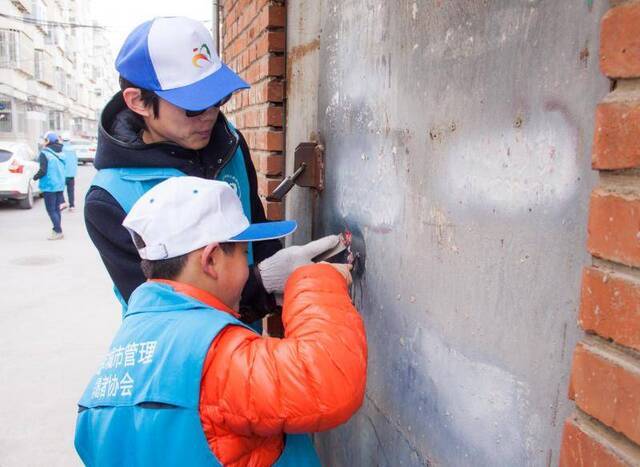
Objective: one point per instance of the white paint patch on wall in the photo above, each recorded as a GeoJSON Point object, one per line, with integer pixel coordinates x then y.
{"type": "Point", "coordinates": [512, 169]}
{"type": "Point", "coordinates": [484, 405]}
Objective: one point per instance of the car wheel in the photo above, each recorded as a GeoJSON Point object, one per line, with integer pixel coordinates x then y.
{"type": "Point", "coordinates": [27, 203]}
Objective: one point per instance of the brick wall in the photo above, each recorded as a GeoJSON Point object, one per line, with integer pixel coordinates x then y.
{"type": "Point", "coordinates": [605, 376]}
{"type": "Point", "coordinates": [253, 44]}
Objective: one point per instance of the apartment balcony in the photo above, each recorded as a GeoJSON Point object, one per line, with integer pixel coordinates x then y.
{"type": "Point", "coordinates": [23, 5]}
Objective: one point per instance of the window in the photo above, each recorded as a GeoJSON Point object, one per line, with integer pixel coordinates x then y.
{"type": "Point", "coordinates": [61, 80]}
{"type": "Point", "coordinates": [38, 13]}
{"type": "Point", "coordinates": [5, 155]}
{"type": "Point", "coordinates": [38, 10]}
{"type": "Point", "coordinates": [43, 67]}
{"type": "Point", "coordinates": [20, 116]}
{"type": "Point", "coordinates": [16, 50]}
{"type": "Point", "coordinates": [38, 64]}
{"type": "Point", "coordinates": [72, 90]}
{"type": "Point", "coordinates": [9, 48]}
{"type": "Point", "coordinates": [55, 120]}
{"type": "Point", "coordinates": [6, 120]}
{"type": "Point", "coordinates": [25, 53]}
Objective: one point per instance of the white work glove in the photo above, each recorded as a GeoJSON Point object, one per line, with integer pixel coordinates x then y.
{"type": "Point", "coordinates": [275, 270]}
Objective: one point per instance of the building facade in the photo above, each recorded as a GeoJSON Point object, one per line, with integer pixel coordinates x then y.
{"type": "Point", "coordinates": [55, 69]}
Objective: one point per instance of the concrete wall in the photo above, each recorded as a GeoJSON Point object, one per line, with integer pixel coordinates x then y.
{"type": "Point", "coordinates": [458, 139]}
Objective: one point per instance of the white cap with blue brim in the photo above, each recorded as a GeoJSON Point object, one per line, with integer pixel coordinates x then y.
{"type": "Point", "coordinates": [174, 57]}
{"type": "Point", "coordinates": [184, 214]}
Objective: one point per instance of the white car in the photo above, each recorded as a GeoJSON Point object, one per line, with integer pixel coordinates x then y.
{"type": "Point", "coordinates": [18, 165]}
{"type": "Point", "coordinates": [85, 150]}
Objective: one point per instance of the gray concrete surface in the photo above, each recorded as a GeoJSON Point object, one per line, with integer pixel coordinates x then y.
{"type": "Point", "coordinates": [57, 317]}
{"type": "Point", "coordinates": [457, 138]}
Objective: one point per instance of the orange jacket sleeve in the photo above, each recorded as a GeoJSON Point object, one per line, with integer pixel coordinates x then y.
{"type": "Point", "coordinates": [311, 380]}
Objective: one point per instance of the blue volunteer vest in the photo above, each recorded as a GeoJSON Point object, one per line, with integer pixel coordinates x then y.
{"type": "Point", "coordinates": [70, 161]}
{"type": "Point", "coordinates": [127, 185]}
{"type": "Point", "coordinates": [54, 179]}
{"type": "Point", "coordinates": [142, 406]}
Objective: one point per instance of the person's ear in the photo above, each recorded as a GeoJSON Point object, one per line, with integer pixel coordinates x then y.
{"type": "Point", "coordinates": [133, 99]}
{"type": "Point", "coordinates": [209, 260]}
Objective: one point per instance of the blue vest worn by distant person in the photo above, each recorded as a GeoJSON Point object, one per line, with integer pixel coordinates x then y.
{"type": "Point", "coordinates": [54, 179]}
{"type": "Point", "coordinates": [142, 406]}
{"type": "Point", "coordinates": [127, 185]}
{"type": "Point", "coordinates": [70, 161]}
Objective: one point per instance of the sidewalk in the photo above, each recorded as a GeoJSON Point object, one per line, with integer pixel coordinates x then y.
{"type": "Point", "coordinates": [58, 314]}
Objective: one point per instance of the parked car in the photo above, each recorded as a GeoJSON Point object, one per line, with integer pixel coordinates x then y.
{"type": "Point", "coordinates": [18, 165]}
{"type": "Point", "coordinates": [85, 150]}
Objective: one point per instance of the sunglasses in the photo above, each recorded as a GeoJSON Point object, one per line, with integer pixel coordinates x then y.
{"type": "Point", "coordinates": [220, 103]}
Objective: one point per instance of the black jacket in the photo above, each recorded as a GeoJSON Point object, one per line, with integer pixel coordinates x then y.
{"type": "Point", "coordinates": [44, 163]}
{"type": "Point", "coordinates": [120, 145]}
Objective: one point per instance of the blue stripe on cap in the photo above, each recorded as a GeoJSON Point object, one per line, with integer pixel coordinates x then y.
{"type": "Point", "coordinates": [134, 62]}
{"type": "Point", "coordinates": [265, 231]}
{"type": "Point", "coordinates": [206, 92]}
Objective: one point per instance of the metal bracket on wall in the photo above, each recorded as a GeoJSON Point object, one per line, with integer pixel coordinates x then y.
{"type": "Point", "coordinates": [308, 171]}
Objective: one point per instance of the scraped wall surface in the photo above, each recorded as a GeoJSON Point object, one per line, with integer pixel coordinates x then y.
{"type": "Point", "coordinates": [458, 138]}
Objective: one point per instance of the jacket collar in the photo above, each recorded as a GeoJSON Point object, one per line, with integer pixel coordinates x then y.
{"type": "Point", "coordinates": [55, 147]}
{"type": "Point", "coordinates": [199, 294]}
{"type": "Point", "coordinates": [120, 144]}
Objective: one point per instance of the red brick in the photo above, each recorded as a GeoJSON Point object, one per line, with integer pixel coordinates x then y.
{"type": "Point", "coordinates": [270, 140]}
{"type": "Point", "coordinates": [252, 118]}
{"type": "Point", "coordinates": [273, 210]}
{"type": "Point", "coordinates": [266, 185]}
{"type": "Point", "coordinates": [610, 306]}
{"type": "Point", "coordinates": [270, 41]}
{"type": "Point", "coordinates": [252, 73]}
{"type": "Point", "coordinates": [275, 66]}
{"type": "Point", "coordinates": [617, 134]}
{"type": "Point", "coordinates": [606, 385]}
{"type": "Point", "coordinates": [274, 91]}
{"type": "Point", "coordinates": [253, 55]}
{"type": "Point", "coordinates": [250, 138]}
{"type": "Point", "coordinates": [585, 443]}
{"type": "Point", "coordinates": [614, 227]}
{"type": "Point", "coordinates": [271, 164]}
{"type": "Point", "coordinates": [273, 16]}
{"type": "Point", "coordinates": [274, 116]}
{"type": "Point", "coordinates": [620, 41]}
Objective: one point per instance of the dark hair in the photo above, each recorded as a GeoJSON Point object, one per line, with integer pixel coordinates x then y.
{"type": "Point", "coordinates": [172, 267]}
{"type": "Point", "coordinates": [163, 268]}
{"type": "Point", "coordinates": [149, 98]}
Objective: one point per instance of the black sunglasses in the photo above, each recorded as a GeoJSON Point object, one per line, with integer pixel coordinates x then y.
{"type": "Point", "coordinates": [220, 103]}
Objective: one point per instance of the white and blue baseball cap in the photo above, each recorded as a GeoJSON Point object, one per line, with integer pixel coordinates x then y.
{"type": "Point", "coordinates": [174, 57]}
{"type": "Point", "coordinates": [51, 136]}
{"type": "Point", "coordinates": [184, 214]}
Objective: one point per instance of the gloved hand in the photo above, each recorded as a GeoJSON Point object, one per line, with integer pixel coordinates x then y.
{"type": "Point", "coordinates": [275, 270]}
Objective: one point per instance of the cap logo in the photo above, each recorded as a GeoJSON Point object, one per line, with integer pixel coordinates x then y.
{"type": "Point", "coordinates": [199, 54]}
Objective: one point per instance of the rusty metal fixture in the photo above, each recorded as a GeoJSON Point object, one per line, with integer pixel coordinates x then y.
{"type": "Point", "coordinates": [309, 171]}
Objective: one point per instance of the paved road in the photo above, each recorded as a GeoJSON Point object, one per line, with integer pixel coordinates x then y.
{"type": "Point", "coordinates": [57, 316]}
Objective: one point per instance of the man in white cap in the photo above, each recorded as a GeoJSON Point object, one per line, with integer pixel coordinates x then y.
{"type": "Point", "coordinates": [165, 122]}
{"type": "Point", "coordinates": [184, 381]}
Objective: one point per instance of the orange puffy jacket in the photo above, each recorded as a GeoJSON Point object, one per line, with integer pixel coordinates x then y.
{"type": "Point", "coordinates": [254, 389]}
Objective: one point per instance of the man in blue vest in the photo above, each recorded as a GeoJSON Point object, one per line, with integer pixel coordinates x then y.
{"type": "Point", "coordinates": [51, 181]}
{"type": "Point", "coordinates": [165, 122]}
{"type": "Point", "coordinates": [70, 170]}
{"type": "Point", "coordinates": [185, 383]}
